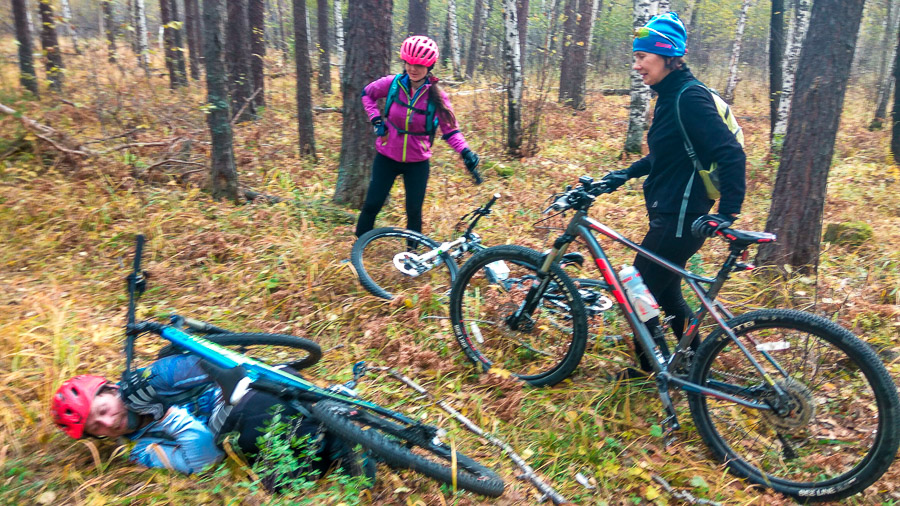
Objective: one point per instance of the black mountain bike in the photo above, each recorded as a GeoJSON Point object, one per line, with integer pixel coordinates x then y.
{"type": "Point", "coordinates": [786, 399]}
{"type": "Point", "coordinates": [397, 440]}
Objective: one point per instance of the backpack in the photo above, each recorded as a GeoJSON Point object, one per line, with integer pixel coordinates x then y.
{"type": "Point", "coordinates": [710, 177]}
{"type": "Point", "coordinates": [431, 120]}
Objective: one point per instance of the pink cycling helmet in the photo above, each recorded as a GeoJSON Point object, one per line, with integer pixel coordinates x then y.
{"type": "Point", "coordinates": [419, 50]}
{"type": "Point", "coordinates": [71, 404]}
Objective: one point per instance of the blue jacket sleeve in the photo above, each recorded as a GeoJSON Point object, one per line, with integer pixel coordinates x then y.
{"type": "Point", "coordinates": [178, 441]}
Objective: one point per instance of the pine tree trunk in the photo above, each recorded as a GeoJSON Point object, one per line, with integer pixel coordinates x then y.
{"type": "Point", "coordinates": [307, 142]}
{"type": "Point", "coordinates": [27, 75]}
{"type": "Point", "coordinates": [177, 38]}
{"type": "Point", "coordinates": [171, 38]}
{"type": "Point", "coordinates": [477, 29]}
{"type": "Point", "coordinates": [482, 49]}
{"type": "Point", "coordinates": [776, 57]}
{"type": "Point", "coordinates": [522, 19]}
{"type": "Point", "coordinates": [417, 20]}
{"type": "Point", "coordinates": [369, 51]}
{"type": "Point", "coordinates": [282, 34]}
{"type": "Point", "coordinates": [736, 54]}
{"type": "Point", "coordinates": [223, 176]}
{"type": "Point", "coordinates": [798, 198]}
{"type": "Point", "coordinates": [324, 48]}
{"type": "Point", "coordinates": [109, 26]}
{"type": "Point", "coordinates": [513, 61]}
{"type": "Point", "coordinates": [796, 40]}
{"type": "Point", "coordinates": [143, 44]}
{"type": "Point", "coordinates": [885, 74]}
{"type": "Point", "coordinates": [454, 40]}
{"type": "Point", "coordinates": [570, 23]}
{"type": "Point", "coordinates": [895, 113]}
{"type": "Point", "coordinates": [579, 54]}
{"type": "Point", "coordinates": [339, 35]}
{"type": "Point", "coordinates": [50, 44]}
{"type": "Point", "coordinates": [237, 60]}
{"type": "Point", "coordinates": [640, 93]}
{"type": "Point", "coordinates": [70, 28]}
{"type": "Point", "coordinates": [256, 15]}
{"type": "Point", "coordinates": [190, 28]}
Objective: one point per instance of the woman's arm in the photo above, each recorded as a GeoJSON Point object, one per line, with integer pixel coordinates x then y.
{"type": "Point", "coordinates": [372, 92]}
{"type": "Point", "coordinates": [178, 441]}
{"type": "Point", "coordinates": [450, 130]}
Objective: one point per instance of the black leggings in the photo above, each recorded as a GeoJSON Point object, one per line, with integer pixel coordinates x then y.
{"type": "Point", "coordinates": [384, 171]}
{"type": "Point", "coordinates": [664, 284]}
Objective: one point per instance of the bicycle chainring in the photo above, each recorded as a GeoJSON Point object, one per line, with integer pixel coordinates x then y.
{"type": "Point", "coordinates": [408, 263]}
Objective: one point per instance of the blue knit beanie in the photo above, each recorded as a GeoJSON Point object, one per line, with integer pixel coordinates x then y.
{"type": "Point", "coordinates": [663, 35]}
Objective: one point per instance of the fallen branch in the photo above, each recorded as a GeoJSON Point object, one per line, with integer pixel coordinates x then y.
{"type": "Point", "coordinates": [139, 145]}
{"type": "Point", "coordinates": [251, 195]}
{"type": "Point", "coordinates": [247, 102]}
{"type": "Point", "coordinates": [616, 91]}
{"type": "Point", "coordinates": [682, 494]}
{"type": "Point", "coordinates": [45, 133]}
{"type": "Point", "coordinates": [327, 109]}
{"type": "Point", "coordinates": [175, 161]}
{"type": "Point", "coordinates": [528, 472]}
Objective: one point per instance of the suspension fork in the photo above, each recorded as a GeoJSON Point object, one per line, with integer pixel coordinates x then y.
{"type": "Point", "coordinates": [533, 297]}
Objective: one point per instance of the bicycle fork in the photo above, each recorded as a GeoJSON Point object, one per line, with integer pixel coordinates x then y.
{"type": "Point", "coordinates": [533, 297]}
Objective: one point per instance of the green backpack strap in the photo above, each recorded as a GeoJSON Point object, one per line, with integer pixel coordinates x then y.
{"type": "Point", "coordinates": [431, 119]}
{"type": "Point", "coordinates": [689, 147]}
{"type": "Point", "coordinates": [392, 92]}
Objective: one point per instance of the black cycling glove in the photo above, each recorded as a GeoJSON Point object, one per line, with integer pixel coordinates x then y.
{"type": "Point", "coordinates": [615, 179]}
{"type": "Point", "coordinates": [471, 160]}
{"type": "Point", "coordinates": [379, 127]}
{"type": "Point", "coordinates": [708, 224]}
{"type": "Point", "coordinates": [139, 396]}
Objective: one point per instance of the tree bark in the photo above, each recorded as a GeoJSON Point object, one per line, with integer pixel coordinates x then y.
{"type": "Point", "coordinates": [522, 20]}
{"type": "Point", "coordinates": [570, 24]}
{"type": "Point", "coordinates": [282, 35]}
{"type": "Point", "coordinates": [257, 23]}
{"type": "Point", "coordinates": [223, 172]}
{"type": "Point", "coordinates": [324, 48]}
{"type": "Point", "coordinates": [640, 93]}
{"type": "Point", "coordinates": [177, 37]}
{"type": "Point", "coordinates": [171, 39]}
{"type": "Point", "coordinates": [190, 28]}
{"type": "Point", "coordinates": [237, 60]}
{"type": "Point", "coordinates": [417, 18]}
{"type": "Point", "coordinates": [736, 54]}
{"type": "Point", "coordinates": [70, 28]}
{"type": "Point", "coordinates": [140, 27]}
{"type": "Point", "coordinates": [307, 144]}
{"type": "Point", "coordinates": [454, 40]}
{"type": "Point", "coordinates": [776, 59]}
{"type": "Point", "coordinates": [513, 60]}
{"type": "Point", "coordinates": [109, 26]}
{"type": "Point", "coordinates": [578, 55]}
{"type": "Point", "coordinates": [50, 43]}
{"type": "Point", "coordinates": [27, 74]}
{"type": "Point", "coordinates": [339, 35]}
{"type": "Point", "coordinates": [369, 50]}
{"type": "Point", "coordinates": [482, 50]}
{"type": "Point", "coordinates": [797, 34]}
{"type": "Point", "coordinates": [885, 68]}
{"type": "Point", "coordinates": [798, 198]}
{"type": "Point", "coordinates": [895, 113]}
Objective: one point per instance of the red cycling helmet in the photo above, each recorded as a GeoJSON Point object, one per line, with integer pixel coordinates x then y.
{"type": "Point", "coordinates": [71, 404]}
{"type": "Point", "coordinates": [419, 50]}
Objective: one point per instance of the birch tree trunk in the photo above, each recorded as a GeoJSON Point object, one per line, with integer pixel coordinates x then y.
{"type": "Point", "coordinates": [736, 54]}
{"type": "Point", "coordinates": [417, 18]}
{"type": "Point", "coordinates": [339, 35]}
{"type": "Point", "coordinates": [28, 11]}
{"type": "Point", "coordinates": [140, 27]}
{"type": "Point", "coordinates": [324, 48]}
{"type": "Point", "coordinates": [662, 6]}
{"type": "Point", "coordinates": [369, 51]}
{"type": "Point", "coordinates": [482, 50]}
{"type": "Point", "coordinates": [223, 179]}
{"type": "Point", "coordinates": [513, 61]}
{"type": "Point", "coordinates": [885, 68]}
{"type": "Point", "coordinates": [640, 93]}
{"type": "Point", "coordinates": [797, 37]}
{"type": "Point", "coordinates": [454, 41]}
{"type": "Point", "coordinates": [67, 22]}
{"type": "Point", "coordinates": [307, 141]}
{"type": "Point", "coordinates": [477, 28]}
{"type": "Point", "coordinates": [50, 43]}
{"type": "Point", "coordinates": [256, 16]}
{"type": "Point", "coordinates": [109, 27]}
{"type": "Point", "coordinates": [27, 74]}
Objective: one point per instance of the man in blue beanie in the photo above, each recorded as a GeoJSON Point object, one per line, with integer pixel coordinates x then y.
{"type": "Point", "coordinates": [675, 196]}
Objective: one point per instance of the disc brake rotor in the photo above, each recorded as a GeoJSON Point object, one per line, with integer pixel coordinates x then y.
{"type": "Point", "coordinates": [803, 410]}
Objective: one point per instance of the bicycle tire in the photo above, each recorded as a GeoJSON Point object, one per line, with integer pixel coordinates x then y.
{"type": "Point", "coordinates": [550, 345]}
{"type": "Point", "coordinates": [373, 255]}
{"type": "Point", "coordinates": [273, 349]}
{"type": "Point", "coordinates": [395, 445]}
{"type": "Point", "coordinates": [808, 454]}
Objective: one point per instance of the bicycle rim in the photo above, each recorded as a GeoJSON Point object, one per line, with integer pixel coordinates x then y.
{"type": "Point", "coordinates": [387, 263]}
{"type": "Point", "coordinates": [272, 349]}
{"type": "Point", "coordinates": [547, 346]}
{"type": "Point", "coordinates": [841, 434]}
{"type": "Point", "coordinates": [402, 448]}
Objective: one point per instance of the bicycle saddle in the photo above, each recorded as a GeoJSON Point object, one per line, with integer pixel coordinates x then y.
{"type": "Point", "coordinates": [744, 238]}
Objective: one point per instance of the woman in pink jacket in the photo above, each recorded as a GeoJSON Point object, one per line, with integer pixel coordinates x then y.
{"type": "Point", "coordinates": [415, 107]}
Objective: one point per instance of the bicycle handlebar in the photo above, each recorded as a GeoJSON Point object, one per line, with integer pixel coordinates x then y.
{"type": "Point", "coordinates": [482, 211]}
{"type": "Point", "coordinates": [581, 197]}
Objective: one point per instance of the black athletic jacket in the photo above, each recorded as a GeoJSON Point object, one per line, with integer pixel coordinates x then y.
{"type": "Point", "coordinates": [668, 167]}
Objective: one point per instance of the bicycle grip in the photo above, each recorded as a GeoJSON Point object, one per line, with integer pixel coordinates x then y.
{"type": "Point", "coordinates": [138, 251]}
{"type": "Point", "coordinates": [491, 202]}
{"type": "Point", "coordinates": [203, 327]}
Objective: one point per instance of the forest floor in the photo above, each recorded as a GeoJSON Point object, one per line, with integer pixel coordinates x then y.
{"type": "Point", "coordinates": [66, 237]}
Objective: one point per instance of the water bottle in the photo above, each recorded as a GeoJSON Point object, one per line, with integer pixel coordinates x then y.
{"type": "Point", "coordinates": [638, 294]}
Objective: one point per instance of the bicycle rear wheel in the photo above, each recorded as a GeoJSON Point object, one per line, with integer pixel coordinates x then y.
{"type": "Point", "coordinates": [841, 431]}
{"type": "Point", "coordinates": [546, 346]}
{"type": "Point", "coordinates": [406, 448]}
{"type": "Point", "coordinates": [387, 262]}
{"type": "Point", "coordinates": [272, 349]}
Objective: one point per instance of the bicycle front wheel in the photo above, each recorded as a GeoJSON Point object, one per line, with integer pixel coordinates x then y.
{"type": "Point", "coordinates": [546, 346]}
{"type": "Point", "coordinates": [404, 447]}
{"type": "Point", "coordinates": [272, 349]}
{"type": "Point", "coordinates": [836, 432]}
{"type": "Point", "coordinates": [388, 261]}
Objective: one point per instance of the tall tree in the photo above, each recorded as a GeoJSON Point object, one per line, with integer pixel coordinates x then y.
{"type": "Point", "coordinates": [570, 21]}
{"type": "Point", "coordinates": [50, 43]}
{"type": "Point", "coordinates": [324, 48]}
{"type": "Point", "coordinates": [478, 27]}
{"type": "Point", "coordinates": [70, 28]}
{"type": "Point", "coordinates": [109, 25]}
{"type": "Point", "coordinates": [776, 59]}
{"type": "Point", "coordinates": [257, 24]}
{"type": "Point", "coordinates": [140, 35]}
{"type": "Point", "coordinates": [577, 56]}
{"type": "Point", "coordinates": [178, 44]}
{"type": "Point", "coordinates": [368, 43]}
{"type": "Point", "coordinates": [895, 113]}
{"type": "Point", "coordinates": [736, 53]}
{"type": "Point", "coordinates": [417, 18]}
{"type": "Point", "coordinates": [797, 35]}
{"type": "Point", "coordinates": [453, 28]}
{"type": "Point", "coordinates": [307, 144]}
{"type": "Point", "coordinates": [514, 90]}
{"type": "Point", "coordinates": [282, 36]}
{"type": "Point", "coordinates": [798, 198]}
{"type": "Point", "coordinates": [522, 21]}
{"type": "Point", "coordinates": [237, 60]}
{"type": "Point", "coordinates": [173, 54]}
{"type": "Point", "coordinates": [27, 75]}
{"type": "Point", "coordinates": [223, 172]}
{"type": "Point", "coordinates": [339, 35]}
{"type": "Point", "coordinates": [190, 28]}
{"type": "Point", "coordinates": [640, 92]}
{"type": "Point", "coordinates": [885, 69]}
